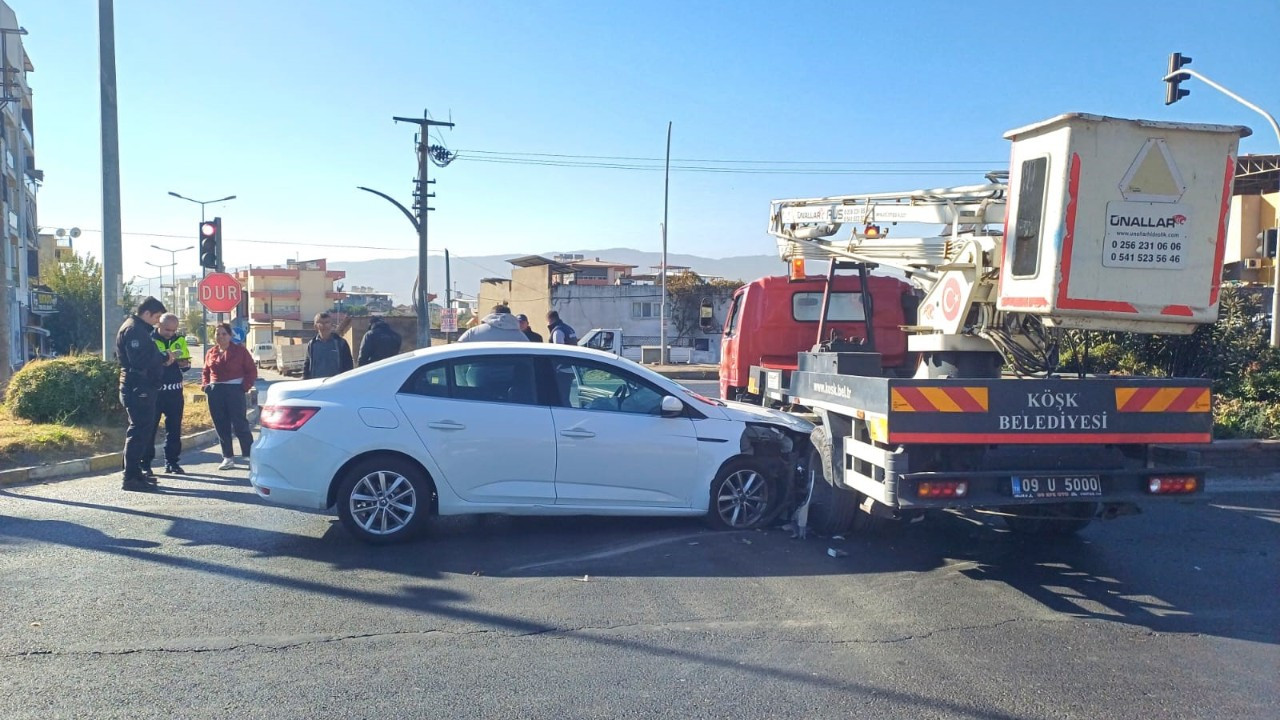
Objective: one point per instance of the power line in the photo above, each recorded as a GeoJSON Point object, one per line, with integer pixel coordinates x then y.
{"type": "Point", "coordinates": [754, 162]}
{"type": "Point", "coordinates": [724, 170]}
{"type": "Point", "coordinates": [263, 242]}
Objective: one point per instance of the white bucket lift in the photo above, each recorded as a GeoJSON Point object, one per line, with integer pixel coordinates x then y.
{"type": "Point", "coordinates": [1117, 224]}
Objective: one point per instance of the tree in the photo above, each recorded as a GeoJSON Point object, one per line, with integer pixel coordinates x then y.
{"type": "Point", "coordinates": [194, 323]}
{"type": "Point", "coordinates": [77, 326]}
{"type": "Point", "coordinates": [686, 294]}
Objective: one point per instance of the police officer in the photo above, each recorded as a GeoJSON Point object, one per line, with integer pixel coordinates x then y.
{"type": "Point", "coordinates": [169, 400]}
{"type": "Point", "coordinates": [141, 363]}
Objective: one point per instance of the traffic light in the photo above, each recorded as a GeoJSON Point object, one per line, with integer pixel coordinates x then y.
{"type": "Point", "coordinates": [1173, 93]}
{"type": "Point", "coordinates": [211, 244]}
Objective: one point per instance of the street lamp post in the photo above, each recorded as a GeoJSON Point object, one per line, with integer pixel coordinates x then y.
{"type": "Point", "coordinates": [204, 314]}
{"type": "Point", "coordinates": [173, 271]}
{"type": "Point", "coordinates": [160, 269]}
{"type": "Point", "coordinates": [202, 203]}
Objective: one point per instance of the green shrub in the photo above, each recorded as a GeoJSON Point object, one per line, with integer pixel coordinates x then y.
{"type": "Point", "coordinates": [69, 390]}
{"type": "Point", "coordinates": [1261, 385]}
{"type": "Point", "coordinates": [1239, 418]}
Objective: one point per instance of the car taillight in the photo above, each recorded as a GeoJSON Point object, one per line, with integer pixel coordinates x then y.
{"type": "Point", "coordinates": [948, 488]}
{"type": "Point", "coordinates": [286, 417]}
{"type": "Point", "coordinates": [1172, 484]}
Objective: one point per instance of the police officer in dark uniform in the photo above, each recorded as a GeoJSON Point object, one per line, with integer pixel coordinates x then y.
{"type": "Point", "coordinates": [141, 364]}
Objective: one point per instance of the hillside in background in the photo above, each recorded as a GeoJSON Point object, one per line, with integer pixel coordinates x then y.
{"type": "Point", "coordinates": [396, 275]}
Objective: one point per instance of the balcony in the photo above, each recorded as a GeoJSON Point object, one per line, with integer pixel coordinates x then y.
{"type": "Point", "coordinates": [260, 317]}
{"type": "Point", "coordinates": [276, 294]}
{"type": "Point", "coordinates": [333, 295]}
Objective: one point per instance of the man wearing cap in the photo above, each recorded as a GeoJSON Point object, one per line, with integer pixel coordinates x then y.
{"type": "Point", "coordinates": [528, 331]}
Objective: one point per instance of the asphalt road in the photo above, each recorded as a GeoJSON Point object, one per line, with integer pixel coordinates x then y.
{"type": "Point", "coordinates": [203, 602]}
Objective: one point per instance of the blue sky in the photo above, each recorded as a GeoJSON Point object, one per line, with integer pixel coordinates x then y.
{"type": "Point", "coordinates": [288, 104]}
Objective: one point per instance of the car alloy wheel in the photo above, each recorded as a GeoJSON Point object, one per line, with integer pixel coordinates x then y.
{"type": "Point", "coordinates": [383, 500]}
{"type": "Point", "coordinates": [741, 496]}
{"type": "Point", "coordinates": [383, 503]}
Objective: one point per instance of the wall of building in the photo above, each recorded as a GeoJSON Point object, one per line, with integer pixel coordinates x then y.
{"type": "Point", "coordinates": [18, 340]}
{"type": "Point", "coordinates": [622, 306]}
{"type": "Point", "coordinates": [1249, 215]}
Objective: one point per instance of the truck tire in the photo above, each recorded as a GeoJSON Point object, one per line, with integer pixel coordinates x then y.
{"type": "Point", "coordinates": [832, 510]}
{"type": "Point", "coordinates": [1057, 520]}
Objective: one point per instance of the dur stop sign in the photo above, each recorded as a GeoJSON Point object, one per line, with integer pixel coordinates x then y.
{"type": "Point", "coordinates": [219, 292]}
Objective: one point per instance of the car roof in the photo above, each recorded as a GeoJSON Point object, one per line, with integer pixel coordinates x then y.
{"type": "Point", "coordinates": [454, 350]}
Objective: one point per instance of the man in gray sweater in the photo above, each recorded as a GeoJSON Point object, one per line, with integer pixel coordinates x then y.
{"type": "Point", "coordinates": [498, 326]}
{"type": "Point", "coordinates": [327, 353]}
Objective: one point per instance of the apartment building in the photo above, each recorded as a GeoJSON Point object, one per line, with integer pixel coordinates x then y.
{"type": "Point", "coordinates": [601, 294]}
{"type": "Point", "coordinates": [21, 336]}
{"type": "Point", "coordinates": [286, 299]}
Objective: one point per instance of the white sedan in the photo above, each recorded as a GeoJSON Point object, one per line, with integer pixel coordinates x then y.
{"type": "Point", "coordinates": [519, 429]}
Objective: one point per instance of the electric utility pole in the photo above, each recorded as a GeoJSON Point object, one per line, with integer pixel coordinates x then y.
{"type": "Point", "coordinates": [426, 155]}
{"type": "Point", "coordinates": [111, 254]}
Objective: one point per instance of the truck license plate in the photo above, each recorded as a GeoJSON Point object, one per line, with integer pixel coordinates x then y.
{"type": "Point", "coordinates": [1057, 486]}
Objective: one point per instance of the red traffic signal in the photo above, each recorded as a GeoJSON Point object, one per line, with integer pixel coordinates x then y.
{"type": "Point", "coordinates": [211, 244]}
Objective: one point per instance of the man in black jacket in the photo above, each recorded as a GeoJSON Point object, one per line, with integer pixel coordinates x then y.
{"type": "Point", "coordinates": [141, 364]}
{"type": "Point", "coordinates": [380, 343]}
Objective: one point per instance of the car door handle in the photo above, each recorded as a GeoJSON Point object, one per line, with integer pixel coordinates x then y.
{"type": "Point", "coordinates": [577, 433]}
{"type": "Point", "coordinates": [447, 425]}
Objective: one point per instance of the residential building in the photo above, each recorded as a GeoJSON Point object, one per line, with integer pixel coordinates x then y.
{"type": "Point", "coordinates": [599, 294]}
{"type": "Point", "coordinates": [21, 336]}
{"type": "Point", "coordinates": [1255, 207]}
{"type": "Point", "coordinates": [285, 300]}
{"type": "Point", "coordinates": [369, 298]}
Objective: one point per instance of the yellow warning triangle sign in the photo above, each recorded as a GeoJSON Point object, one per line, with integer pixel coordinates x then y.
{"type": "Point", "coordinates": [1153, 176]}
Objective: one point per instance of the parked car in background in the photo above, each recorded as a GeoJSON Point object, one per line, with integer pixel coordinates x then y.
{"type": "Point", "coordinates": [264, 354]}
{"type": "Point", "coordinates": [520, 429]}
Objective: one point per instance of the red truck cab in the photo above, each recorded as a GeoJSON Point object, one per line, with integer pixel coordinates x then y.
{"type": "Point", "coordinates": [772, 319]}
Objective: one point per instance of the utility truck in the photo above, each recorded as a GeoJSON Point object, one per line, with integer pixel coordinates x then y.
{"type": "Point", "coordinates": [932, 370]}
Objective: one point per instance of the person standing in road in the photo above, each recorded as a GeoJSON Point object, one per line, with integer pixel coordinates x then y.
{"type": "Point", "coordinates": [228, 373]}
{"type": "Point", "coordinates": [528, 331]}
{"type": "Point", "coordinates": [327, 354]}
{"type": "Point", "coordinates": [169, 401]}
{"type": "Point", "coordinates": [498, 326]}
{"type": "Point", "coordinates": [561, 332]}
{"type": "Point", "coordinates": [380, 343]}
{"type": "Point", "coordinates": [141, 363]}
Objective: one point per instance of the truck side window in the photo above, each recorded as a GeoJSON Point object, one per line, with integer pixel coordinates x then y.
{"type": "Point", "coordinates": [1026, 229]}
{"type": "Point", "coordinates": [731, 326]}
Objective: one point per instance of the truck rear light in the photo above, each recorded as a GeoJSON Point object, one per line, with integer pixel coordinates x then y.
{"type": "Point", "coordinates": [943, 489]}
{"type": "Point", "coordinates": [1172, 484]}
{"type": "Point", "coordinates": [286, 417]}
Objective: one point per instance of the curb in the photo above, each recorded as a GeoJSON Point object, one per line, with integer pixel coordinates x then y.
{"type": "Point", "coordinates": [689, 374]}
{"type": "Point", "coordinates": [99, 463]}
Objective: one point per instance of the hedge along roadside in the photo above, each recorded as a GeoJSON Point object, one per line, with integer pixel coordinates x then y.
{"type": "Point", "coordinates": [101, 463]}
{"type": "Point", "coordinates": [73, 390]}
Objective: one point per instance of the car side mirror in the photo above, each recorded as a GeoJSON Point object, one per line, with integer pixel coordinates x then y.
{"type": "Point", "coordinates": [671, 406]}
